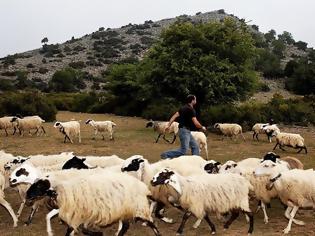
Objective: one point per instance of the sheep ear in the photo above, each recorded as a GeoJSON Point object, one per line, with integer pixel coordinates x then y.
{"type": "Point", "coordinates": [167, 181]}
{"type": "Point", "coordinates": [83, 159]}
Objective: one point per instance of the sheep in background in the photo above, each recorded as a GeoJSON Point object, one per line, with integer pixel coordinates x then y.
{"type": "Point", "coordinates": [203, 194]}
{"type": "Point", "coordinates": [124, 198]}
{"type": "Point", "coordinates": [160, 128]}
{"type": "Point", "coordinates": [28, 123]}
{"type": "Point", "coordinates": [70, 129]}
{"type": "Point", "coordinates": [5, 123]}
{"type": "Point", "coordinates": [102, 126]}
{"type": "Point", "coordinates": [258, 129]}
{"type": "Point", "coordinates": [230, 130]}
{"type": "Point", "coordinates": [201, 139]}
{"type": "Point", "coordinates": [290, 140]}
{"type": "Point", "coordinates": [270, 130]}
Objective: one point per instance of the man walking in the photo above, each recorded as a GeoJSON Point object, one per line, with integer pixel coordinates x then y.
{"type": "Point", "coordinates": [187, 121]}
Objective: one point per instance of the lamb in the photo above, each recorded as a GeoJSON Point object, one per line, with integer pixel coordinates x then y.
{"type": "Point", "coordinates": [293, 187]}
{"type": "Point", "coordinates": [102, 126]}
{"type": "Point", "coordinates": [160, 128]}
{"type": "Point", "coordinates": [270, 129]}
{"type": "Point", "coordinates": [70, 129]}
{"type": "Point", "coordinates": [140, 168]}
{"type": "Point", "coordinates": [5, 123]}
{"type": "Point", "coordinates": [201, 139]}
{"type": "Point", "coordinates": [203, 194]}
{"type": "Point", "coordinates": [290, 140]}
{"type": "Point", "coordinates": [124, 198]}
{"type": "Point", "coordinates": [28, 123]}
{"type": "Point", "coordinates": [4, 203]}
{"type": "Point", "coordinates": [229, 129]}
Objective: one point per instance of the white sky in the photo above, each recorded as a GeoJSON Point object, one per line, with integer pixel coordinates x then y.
{"type": "Point", "coordinates": [24, 23]}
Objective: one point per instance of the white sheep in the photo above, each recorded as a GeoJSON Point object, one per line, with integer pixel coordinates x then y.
{"type": "Point", "coordinates": [258, 129]}
{"type": "Point", "coordinates": [294, 188]}
{"type": "Point", "coordinates": [4, 203]}
{"type": "Point", "coordinates": [124, 198]}
{"type": "Point", "coordinates": [70, 129]}
{"type": "Point", "coordinates": [247, 167]}
{"type": "Point", "coordinates": [160, 128]}
{"type": "Point", "coordinates": [203, 194]}
{"type": "Point", "coordinates": [102, 126]}
{"type": "Point", "coordinates": [201, 139]}
{"type": "Point", "coordinates": [290, 140]}
{"type": "Point", "coordinates": [270, 130]}
{"type": "Point", "coordinates": [140, 168]}
{"type": "Point", "coordinates": [230, 130]}
{"type": "Point", "coordinates": [28, 123]}
{"type": "Point", "coordinates": [5, 123]}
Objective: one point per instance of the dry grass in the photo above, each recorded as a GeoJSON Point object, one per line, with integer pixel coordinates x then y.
{"type": "Point", "coordinates": [133, 138]}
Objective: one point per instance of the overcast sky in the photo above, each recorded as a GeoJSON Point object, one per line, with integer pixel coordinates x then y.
{"type": "Point", "coordinates": [24, 23]}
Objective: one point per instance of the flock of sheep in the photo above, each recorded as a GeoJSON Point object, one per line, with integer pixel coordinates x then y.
{"type": "Point", "coordinates": [89, 193]}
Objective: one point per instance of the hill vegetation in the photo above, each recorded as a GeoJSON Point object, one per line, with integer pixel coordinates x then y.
{"type": "Point", "coordinates": [148, 69]}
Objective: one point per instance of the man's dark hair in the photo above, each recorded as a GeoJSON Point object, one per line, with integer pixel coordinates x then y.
{"type": "Point", "coordinates": [190, 97]}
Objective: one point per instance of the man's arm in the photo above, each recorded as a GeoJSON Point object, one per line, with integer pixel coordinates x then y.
{"type": "Point", "coordinates": [197, 124]}
{"type": "Point", "coordinates": [173, 118]}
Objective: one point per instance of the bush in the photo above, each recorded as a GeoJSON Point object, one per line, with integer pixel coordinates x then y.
{"type": "Point", "coordinates": [77, 64]}
{"type": "Point", "coordinates": [29, 103]}
{"type": "Point", "coordinates": [66, 80]}
{"type": "Point", "coordinates": [6, 85]}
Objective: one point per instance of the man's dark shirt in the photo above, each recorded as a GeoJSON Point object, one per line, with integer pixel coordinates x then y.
{"type": "Point", "coordinates": [186, 113]}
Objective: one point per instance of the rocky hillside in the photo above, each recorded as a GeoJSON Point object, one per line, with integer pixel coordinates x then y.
{"type": "Point", "coordinates": [94, 52]}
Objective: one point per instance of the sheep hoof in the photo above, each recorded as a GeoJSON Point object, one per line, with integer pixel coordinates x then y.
{"type": "Point", "coordinates": [167, 220]}
{"type": "Point", "coordinates": [15, 225]}
{"type": "Point", "coordinates": [213, 232]}
{"type": "Point", "coordinates": [286, 230]}
{"type": "Point", "coordinates": [144, 224]}
{"type": "Point", "coordinates": [266, 220]}
{"type": "Point", "coordinates": [179, 233]}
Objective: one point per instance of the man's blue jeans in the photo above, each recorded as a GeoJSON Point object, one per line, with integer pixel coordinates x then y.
{"type": "Point", "coordinates": [186, 141]}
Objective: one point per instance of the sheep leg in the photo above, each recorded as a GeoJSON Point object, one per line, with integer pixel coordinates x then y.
{"type": "Point", "coordinates": [292, 214]}
{"type": "Point", "coordinates": [50, 215]}
{"type": "Point", "coordinates": [182, 224]}
{"type": "Point", "coordinates": [43, 129]}
{"type": "Point", "coordinates": [251, 221]}
{"type": "Point", "coordinates": [14, 130]}
{"type": "Point", "coordinates": [79, 137]}
{"type": "Point", "coordinates": [36, 132]}
{"type": "Point", "coordinates": [69, 231]}
{"type": "Point", "coordinates": [254, 134]}
{"type": "Point", "coordinates": [197, 223]}
{"type": "Point", "coordinates": [30, 217]}
{"type": "Point", "coordinates": [263, 207]}
{"type": "Point", "coordinates": [166, 139]}
{"type": "Point", "coordinates": [124, 228]}
{"type": "Point", "coordinates": [151, 225]}
{"type": "Point", "coordinates": [174, 138]}
{"type": "Point", "coordinates": [280, 146]}
{"type": "Point", "coordinates": [287, 215]}
{"type": "Point", "coordinates": [243, 136]}
{"type": "Point", "coordinates": [210, 224]}
{"type": "Point", "coordinates": [158, 213]}
{"type": "Point", "coordinates": [21, 208]}
{"type": "Point", "coordinates": [7, 206]}
{"type": "Point", "coordinates": [275, 146]}
{"type": "Point", "coordinates": [158, 138]}
{"type": "Point", "coordinates": [6, 132]}
{"type": "Point", "coordinates": [95, 133]}
{"type": "Point", "coordinates": [233, 217]}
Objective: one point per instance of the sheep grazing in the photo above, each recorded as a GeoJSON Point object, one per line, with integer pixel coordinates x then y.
{"type": "Point", "coordinates": [230, 130]}
{"type": "Point", "coordinates": [28, 123]}
{"type": "Point", "coordinates": [293, 187]}
{"type": "Point", "coordinates": [258, 129]}
{"type": "Point", "coordinates": [270, 130]}
{"type": "Point", "coordinates": [70, 129]}
{"type": "Point", "coordinates": [291, 140]}
{"type": "Point", "coordinates": [4, 203]}
{"type": "Point", "coordinates": [160, 128]}
{"type": "Point", "coordinates": [203, 194]}
{"type": "Point", "coordinates": [201, 139]}
{"type": "Point", "coordinates": [102, 126]}
{"type": "Point", "coordinates": [124, 198]}
{"type": "Point", "coordinates": [5, 123]}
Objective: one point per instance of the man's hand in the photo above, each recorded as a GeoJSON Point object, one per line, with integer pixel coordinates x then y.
{"type": "Point", "coordinates": [204, 128]}
{"type": "Point", "coordinates": [168, 127]}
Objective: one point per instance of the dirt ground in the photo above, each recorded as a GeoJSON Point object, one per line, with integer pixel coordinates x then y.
{"type": "Point", "coordinates": [131, 138]}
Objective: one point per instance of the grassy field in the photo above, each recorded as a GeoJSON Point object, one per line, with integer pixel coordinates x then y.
{"type": "Point", "coordinates": [131, 138]}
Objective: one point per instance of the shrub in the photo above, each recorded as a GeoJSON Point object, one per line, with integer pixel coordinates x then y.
{"type": "Point", "coordinates": [77, 64]}
{"type": "Point", "coordinates": [66, 80]}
